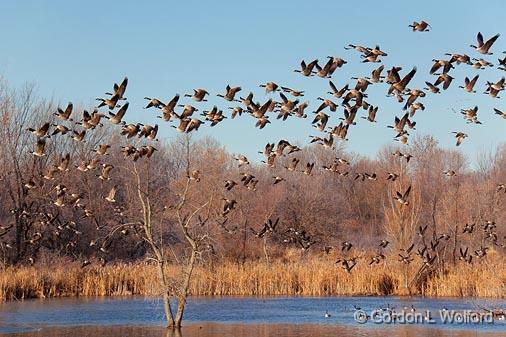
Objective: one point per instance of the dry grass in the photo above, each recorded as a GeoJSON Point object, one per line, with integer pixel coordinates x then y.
{"type": "Point", "coordinates": [317, 276]}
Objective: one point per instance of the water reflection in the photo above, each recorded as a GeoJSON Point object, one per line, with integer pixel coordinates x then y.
{"type": "Point", "coordinates": [262, 330]}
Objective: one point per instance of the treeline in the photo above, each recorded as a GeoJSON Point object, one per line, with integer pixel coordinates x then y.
{"type": "Point", "coordinates": [453, 206]}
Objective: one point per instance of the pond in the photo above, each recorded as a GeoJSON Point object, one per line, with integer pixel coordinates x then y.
{"type": "Point", "coordinates": [270, 316]}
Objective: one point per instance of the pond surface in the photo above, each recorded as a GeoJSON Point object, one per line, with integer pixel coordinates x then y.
{"type": "Point", "coordinates": [271, 316]}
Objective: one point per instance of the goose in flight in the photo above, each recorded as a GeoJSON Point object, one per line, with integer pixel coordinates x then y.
{"type": "Point", "coordinates": [484, 47]}
{"type": "Point", "coordinates": [421, 26]}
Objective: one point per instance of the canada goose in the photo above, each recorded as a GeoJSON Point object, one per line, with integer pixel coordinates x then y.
{"type": "Point", "coordinates": [347, 264]}
{"type": "Point", "coordinates": [421, 26]}
{"type": "Point", "coordinates": [460, 137]}
{"type": "Point", "coordinates": [399, 123]}
{"type": "Point", "coordinates": [450, 173]}
{"type": "Point", "coordinates": [237, 111]}
{"type": "Point", "coordinates": [403, 198]}
{"type": "Point", "coordinates": [78, 136]}
{"type": "Point", "coordinates": [65, 115]}
{"type": "Point", "coordinates": [471, 115]}
{"type": "Point", "coordinates": [468, 228]}
{"type": "Point", "coordinates": [392, 176]}
{"type": "Point", "coordinates": [110, 196]}
{"type": "Point", "coordinates": [230, 93]}
{"type": "Point", "coordinates": [376, 75]}
{"type": "Point", "coordinates": [414, 108]}
{"type": "Point", "coordinates": [447, 65]}
{"type": "Point", "coordinates": [102, 149]}
{"type": "Point", "coordinates": [194, 125]}
{"type": "Point", "coordinates": [262, 122]}
{"type": "Point", "coordinates": [149, 131]}
{"type": "Point", "coordinates": [384, 243]}
{"type": "Point", "coordinates": [271, 160]}
{"type": "Point", "coordinates": [293, 164]}
{"type": "Point", "coordinates": [248, 100]}
{"type": "Point", "coordinates": [306, 70]}
{"type": "Point", "coordinates": [360, 49]}
{"type": "Point", "coordinates": [459, 58]}
{"type": "Point", "coordinates": [194, 175]}
{"type": "Point", "coordinates": [153, 102]}
{"type": "Point", "coordinates": [407, 259]}
{"type": "Point", "coordinates": [481, 252]}
{"type": "Point", "coordinates": [247, 178]}
{"type": "Point", "coordinates": [501, 187]}
{"type": "Point", "coordinates": [483, 48]}
{"type": "Point", "coordinates": [60, 199]}
{"type": "Point", "coordinates": [39, 149]}
{"type": "Point", "coordinates": [270, 87]}
{"type": "Point", "coordinates": [335, 92]}
{"type": "Point", "coordinates": [370, 57]}
{"type": "Point", "coordinates": [432, 88]}
{"type": "Point", "coordinates": [63, 166]}
{"type": "Point", "coordinates": [277, 180]}
{"type": "Point", "coordinates": [326, 103]}
{"type": "Point", "coordinates": [242, 160]}
{"type": "Point", "coordinates": [119, 90]}
{"type": "Point", "coordinates": [91, 121]}
{"type": "Point", "coordinates": [481, 63]}
{"type": "Point", "coordinates": [324, 72]}
{"type": "Point", "coordinates": [445, 79]}
{"type": "Point", "coordinates": [198, 95]}
{"type": "Point", "coordinates": [118, 116]}
{"type": "Point", "coordinates": [106, 170]}
{"type": "Point", "coordinates": [293, 92]}
{"type": "Point", "coordinates": [183, 125]}
{"type": "Point", "coordinates": [40, 132]}
{"type": "Point", "coordinates": [299, 110]}
{"type": "Point", "coordinates": [346, 246]}
{"type": "Point", "coordinates": [168, 109]}
{"type": "Point", "coordinates": [60, 129]}
{"type": "Point", "coordinates": [228, 205]}
{"type": "Point", "coordinates": [337, 62]}
{"type": "Point", "coordinates": [469, 84]}
{"type": "Point", "coordinates": [326, 315]}
{"type": "Point", "coordinates": [400, 86]}
{"type": "Point", "coordinates": [111, 103]}
{"type": "Point", "coordinates": [229, 184]}
{"type": "Point", "coordinates": [130, 130]}
{"type": "Point", "coordinates": [362, 83]}
{"type": "Point", "coordinates": [309, 168]}
{"type": "Point", "coordinates": [377, 259]}
{"type": "Point", "coordinates": [371, 114]}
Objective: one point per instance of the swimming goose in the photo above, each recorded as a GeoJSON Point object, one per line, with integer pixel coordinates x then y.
{"type": "Point", "coordinates": [230, 93]}
{"type": "Point", "coordinates": [198, 95]}
{"type": "Point", "coordinates": [482, 47]}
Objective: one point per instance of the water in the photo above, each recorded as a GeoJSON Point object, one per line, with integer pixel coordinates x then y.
{"type": "Point", "coordinates": [272, 316]}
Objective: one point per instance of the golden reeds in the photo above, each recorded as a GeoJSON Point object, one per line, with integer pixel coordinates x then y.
{"type": "Point", "coordinates": [316, 276]}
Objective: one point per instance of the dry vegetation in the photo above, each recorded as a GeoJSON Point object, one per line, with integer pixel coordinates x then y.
{"type": "Point", "coordinates": [315, 276]}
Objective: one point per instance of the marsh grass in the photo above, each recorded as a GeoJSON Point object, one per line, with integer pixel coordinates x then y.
{"type": "Point", "coordinates": [316, 276]}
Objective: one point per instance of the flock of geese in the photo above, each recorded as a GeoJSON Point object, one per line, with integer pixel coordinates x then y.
{"type": "Point", "coordinates": [352, 99]}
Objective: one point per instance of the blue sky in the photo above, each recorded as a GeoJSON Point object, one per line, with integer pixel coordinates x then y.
{"type": "Point", "coordinates": [75, 51]}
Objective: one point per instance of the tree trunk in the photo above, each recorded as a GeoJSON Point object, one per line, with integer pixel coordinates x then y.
{"type": "Point", "coordinates": [184, 289]}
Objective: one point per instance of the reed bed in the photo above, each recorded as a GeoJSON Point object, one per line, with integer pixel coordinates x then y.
{"type": "Point", "coordinates": [308, 277]}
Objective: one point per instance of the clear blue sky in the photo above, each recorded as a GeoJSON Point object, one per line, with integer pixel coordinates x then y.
{"type": "Point", "coordinates": [74, 51]}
